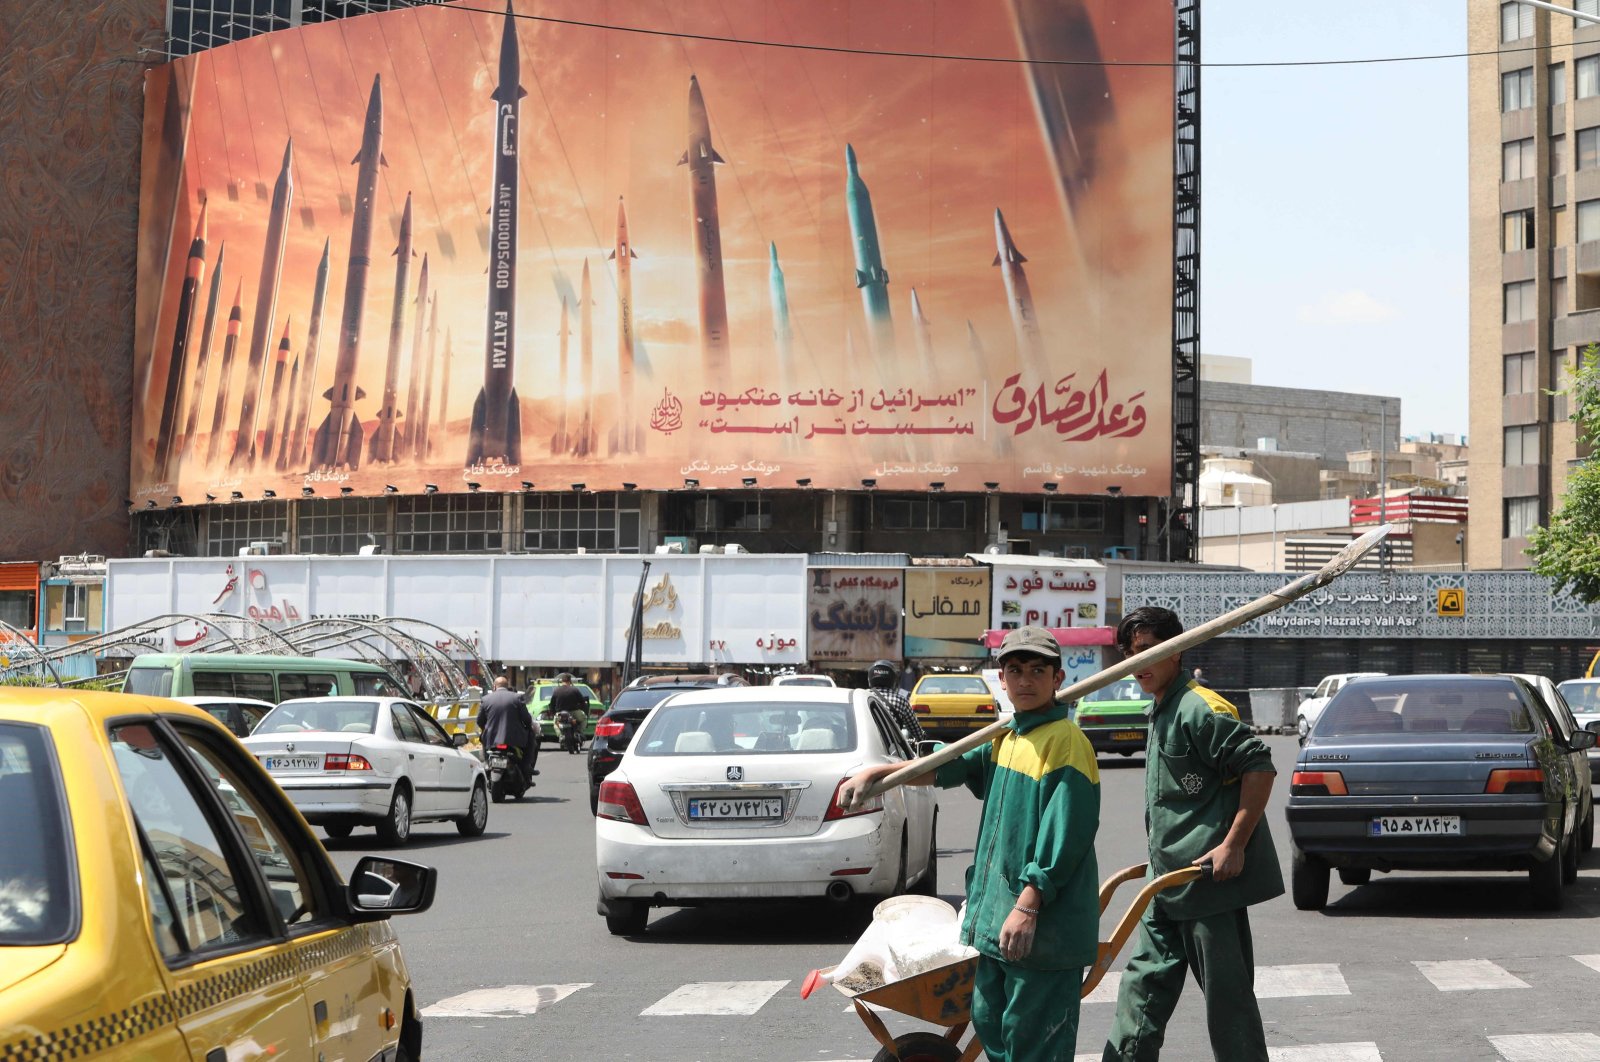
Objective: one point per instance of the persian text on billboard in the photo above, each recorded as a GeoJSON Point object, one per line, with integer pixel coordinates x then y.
{"type": "Point", "coordinates": [855, 614]}
{"type": "Point", "coordinates": [947, 612]}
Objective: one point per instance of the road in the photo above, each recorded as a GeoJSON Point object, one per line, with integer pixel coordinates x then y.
{"type": "Point", "coordinates": [1412, 967]}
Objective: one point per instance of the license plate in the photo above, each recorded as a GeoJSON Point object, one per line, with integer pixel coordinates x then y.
{"type": "Point", "coordinates": [292, 763]}
{"type": "Point", "coordinates": [1416, 825]}
{"type": "Point", "coordinates": [736, 808]}
{"type": "Point", "coordinates": [1128, 735]}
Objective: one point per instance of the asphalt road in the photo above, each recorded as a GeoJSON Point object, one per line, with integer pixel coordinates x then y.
{"type": "Point", "coordinates": [1412, 967]}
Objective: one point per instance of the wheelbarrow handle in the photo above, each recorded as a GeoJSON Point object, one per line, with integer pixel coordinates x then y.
{"type": "Point", "coordinates": [1110, 949]}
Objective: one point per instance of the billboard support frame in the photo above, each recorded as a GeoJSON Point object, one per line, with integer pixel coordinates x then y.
{"type": "Point", "coordinates": [1185, 498]}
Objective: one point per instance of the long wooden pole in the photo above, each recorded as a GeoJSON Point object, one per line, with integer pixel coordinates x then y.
{"type": "Point", "coordinates": [1342, 562]}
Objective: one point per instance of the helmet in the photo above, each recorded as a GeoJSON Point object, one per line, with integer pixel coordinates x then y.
{"type": "Point", "coordinates": [882, 674]}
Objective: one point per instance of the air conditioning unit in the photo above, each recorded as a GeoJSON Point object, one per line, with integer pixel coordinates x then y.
{"type": "Point", "coordinates": [370, 551]}
{"type": "Point", "coordinates": [254, 549]}
{"type": "Point", "coordinates": [708, 548]}
{"type": "Point", "coordinates": [680, 544]}
{"type": "Point", "coordinates": [734, 547]}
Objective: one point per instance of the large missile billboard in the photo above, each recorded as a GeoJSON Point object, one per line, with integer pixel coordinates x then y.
{"type": "Point", "coordinates": [905, 241]}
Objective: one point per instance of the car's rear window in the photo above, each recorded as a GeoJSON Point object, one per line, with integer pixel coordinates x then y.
{"type": "Point", "coordinates": [148, 681]}
{"type": "Point", "coordinates": [954, 684]}
{"type": "Point", "coordinates": [346, 717]}
{"type": "Point", "coordinates": [712, 729]}
{"type": "Point", "coordinates": [804, 680]}
{"type": "Point", "coordinates": [1581, 696]}
{"type": "Point", "coordinates": [1427, 706]}
{"type": "Point", "coordinates": [1125, 690]}
{"type": "Point", "coordinates": [37, 901]}
{"type": "Point", "coordinates": [645, 697]}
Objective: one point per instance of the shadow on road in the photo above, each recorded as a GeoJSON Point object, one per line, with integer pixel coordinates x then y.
{"type": "Point", "coordinates": [1120, 763]}
{"type": "Point", "coordinates": [1463, 897]}
{"type": "Point", "coordinates": [371, 842]}
{"type": "Point", "coordinates": [788, 922]}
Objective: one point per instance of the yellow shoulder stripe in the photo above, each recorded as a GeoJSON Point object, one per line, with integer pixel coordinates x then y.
{"type": "Point", "coordinates": [1214, 700]}
{"type": "Point", "coordinates": [1047, 749]}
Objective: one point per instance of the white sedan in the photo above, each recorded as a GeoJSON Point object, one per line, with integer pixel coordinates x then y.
{"type": "Point", "coordinates": [818, 681]}
{"type": "Point", "coordinates": [379, 761]}
{"type": "Point", "coordinates": [729, 794]}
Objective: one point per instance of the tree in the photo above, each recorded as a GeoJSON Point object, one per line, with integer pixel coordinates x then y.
{"type": "Point", "coordinates": [1568, 550]}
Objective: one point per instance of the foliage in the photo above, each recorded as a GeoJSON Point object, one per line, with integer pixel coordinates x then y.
{"type": "Point", "coordinates": [1567, 551]}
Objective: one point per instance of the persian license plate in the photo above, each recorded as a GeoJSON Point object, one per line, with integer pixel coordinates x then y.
{"type": "Point", "coordinates": [1416, 825]}
{"type": "Point", "coordinates": [1128, 735]}
{"type": "Point", "coordinates": [736, 808]}
{"type": "Point", "coordinates": [292, 763]}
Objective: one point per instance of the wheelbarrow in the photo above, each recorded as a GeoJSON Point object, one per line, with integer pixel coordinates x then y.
{"type": "Point", "coordinates": [943, 996]}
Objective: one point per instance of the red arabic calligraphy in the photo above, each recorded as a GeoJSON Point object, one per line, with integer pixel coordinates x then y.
{"type": "Point", "coordinates": [1081, 416]}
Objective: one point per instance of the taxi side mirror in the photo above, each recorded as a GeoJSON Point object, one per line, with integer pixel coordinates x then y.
{"type": "Point", "coordinates": [380, 887]}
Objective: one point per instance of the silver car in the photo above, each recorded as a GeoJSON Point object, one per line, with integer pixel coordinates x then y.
{"type": "Point", "coordinates": [1440, 772]}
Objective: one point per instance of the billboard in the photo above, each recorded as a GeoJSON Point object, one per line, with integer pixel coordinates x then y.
{"type": "Point", "coordinates": [1063, 593]}
{"type": "Point", "coordinates": [947, 613]}
{"type": "Point", "coordinates": [854, 614]}
{"type": "Point", "coordinates": [910, 241]}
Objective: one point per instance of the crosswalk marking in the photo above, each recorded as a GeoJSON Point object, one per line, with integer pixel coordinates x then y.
{"type": "Point", "coordinates": [1548, 1047]}
{"type": "Point", "coordinates": [1464, 975]}
{"type": "Point", "coordinates": [506, 1001]}
{"type": "Point", "coordinates": [1308, 979]}
{"type": "Point", "coordinates": [1591, 961]}
{"type": "Point", "coordinates": [715, 997]}
{"type": "Point", "coordinates": [1352, 1052]}
{"type": "Point", "coordinates": [1106, 990]}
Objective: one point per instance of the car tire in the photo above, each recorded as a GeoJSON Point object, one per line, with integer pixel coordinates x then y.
{"type": "Point", "coordinates": [1308, 879]}
{"type": "Point", "coordinates": [1544, 879]}
{"type": "Point", "coordinates": [476, 820]}
{"type": "Point", "coordinates": [1586, 833]}
{"type": "Point", "coordinates": [626, 918]}
{"type": "Point", "coordinates": [594, 799]}
{"type": "Point", "coordinates": [928, 884]}
{"type": "Point", "coordinates": [1569, 861]}
{"type": "Point", "coordinates": [337, 831]}
{"type": "Point", "coordinates": [1355, 875]}
{"type": "Point", "coordinates": [920, 1046]}
{"type": "Point", "coordinates": [396, 826]}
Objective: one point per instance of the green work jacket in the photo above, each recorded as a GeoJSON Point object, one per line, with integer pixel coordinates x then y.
{"type": "Point", "coordinates": [1197, 752]}
{"type": "Point", "coordinates": [1041, 792]}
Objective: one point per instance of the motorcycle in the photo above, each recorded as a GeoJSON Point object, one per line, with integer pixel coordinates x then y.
{"type": "Point", "coordinates": [506, 778]}
{"type": "Point", "coordinates": [571, 732]}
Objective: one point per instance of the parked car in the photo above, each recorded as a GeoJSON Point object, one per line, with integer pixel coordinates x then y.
{"type": "Point", "coordinates": [539, 704]}
{"type": "Point", "coordinates": [371, 761]}
{"type": "Point", "coordinates": [158, 893]}
{"type": "Point", "coordinates": [239, 714]}
{"type": "Point", "coordinates": [803, 680]}
{"type": "Point", "coordinates": [1583, 697]}
{"type": "Point", "coordinates": [730, 794]}
{"type": "Point", "coordinates": [1114, 717]}
{"type": "Point", "coordinates": [1440, 772]}
{"type": "Point", "coordinates": [951, 705]}
{"type": "Point", "coordinates": [1310, 709]}
{"type": "Point", "coordinates": [616, 728]}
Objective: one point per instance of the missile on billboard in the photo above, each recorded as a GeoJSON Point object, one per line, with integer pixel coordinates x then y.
{"type": "Point", "coordinates": [424, 426]}
{"type": "Point", "coordinates": [782, 326]}
{"type": "Point", "coordinates": [871, 277]}
{"type": "Point", "coordinates": [1019, 298]}
{"type": "Point", "coordinates": [561, 443]}
{"type": "Point", "coordinates": [244, 443]}
{"type": "Point", "coordinates": [230, 344]}
{"type": "Point", "coordinates": [302, 416]}
{"type": "Point", "coordinates": [922, 329]}
{"type": "Point", "coordinates": [282, 463]}
{"type": "Point", "coordinates": [194, 273]}
{"type": "Point", "coordinates": [382, 445]}
{"type": "Point", "coordinates": [444, 381]}
{"type": "Point", "coordinates": [202, 369]}
{"type": "Point", "coordinates": [496, 432]}
{"type": "Point", "coordinates": [274, 403]}
{"type": "Point", "coordinates": [338, 440]}
{"type": "Point", "coordinates": [584, 446]}
{"type": "Point", "coordinates": [626, 437]}
{"type": "Point", "coordinates": [701, 158]}
{"type": "Point", "coordinates": [413, 425]}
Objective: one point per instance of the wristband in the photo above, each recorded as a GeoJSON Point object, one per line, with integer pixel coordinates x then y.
{"type": "Point", "coordinates": [1026, 910]}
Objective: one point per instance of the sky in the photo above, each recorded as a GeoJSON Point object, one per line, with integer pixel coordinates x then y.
{"type": "Point", "coordinates": [1334, 201]}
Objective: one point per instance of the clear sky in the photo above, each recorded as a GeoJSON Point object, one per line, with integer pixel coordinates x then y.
{"type": "Point", "coordinates": [1334, 200]}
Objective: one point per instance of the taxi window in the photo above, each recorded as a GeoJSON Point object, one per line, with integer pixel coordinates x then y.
{"type": "Point", "coordinates": [963, 684]}
{"type": "Point", "coordinates": [148, 682]}
{"type": "Point", "coordinates": [200, 879]}
{"type": "Point", "coordinates": [256, 685]}
{"type": "Point", "coordinates": [292, 686]}
{"type": "Point", "coordinates": [37, 901]}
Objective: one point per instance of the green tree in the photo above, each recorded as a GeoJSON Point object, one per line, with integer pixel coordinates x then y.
{"type": "Point", "coordinates": [1568, 550]}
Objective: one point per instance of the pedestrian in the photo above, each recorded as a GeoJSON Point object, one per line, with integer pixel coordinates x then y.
{"type": "Point", "coordinates": [1033, 910]}
{"type": "Point", "coordinates": [881, 678]}
{"type": "Point", "coordinates": [504, 719]}
{"type": "Point", "coordinates": [1207, 779]}
{"type": "Point", "coordinates": [1199, 677]}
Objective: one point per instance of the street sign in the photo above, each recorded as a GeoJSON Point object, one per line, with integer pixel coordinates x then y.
{"type": "Point", "coordinates": [1452, 601]}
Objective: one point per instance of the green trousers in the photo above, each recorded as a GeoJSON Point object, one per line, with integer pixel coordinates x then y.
{"type": "Point", "coordinates": [1219, 951]}
{"type": "Point", "coordinates": [1026, 1015]}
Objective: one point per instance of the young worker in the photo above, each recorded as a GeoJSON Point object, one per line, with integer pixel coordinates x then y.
{"type": "Point", "coordinates": [1032, 891]}
{"type": "Point", "coordinates": [1207, 777]}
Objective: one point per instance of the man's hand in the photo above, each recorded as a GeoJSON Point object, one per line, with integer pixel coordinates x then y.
{"type": "Point", "coordinates": [1016, 936]}
{"type": "Point", "coordinates": [1226, 859]}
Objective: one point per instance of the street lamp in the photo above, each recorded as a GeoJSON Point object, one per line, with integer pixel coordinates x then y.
{"type": "Point", "coordinates": [1461, 540]}
{"type": "Point", "coordinates": [1238, 531]}
{"type": "Point", "coordinates": [1274, 536]}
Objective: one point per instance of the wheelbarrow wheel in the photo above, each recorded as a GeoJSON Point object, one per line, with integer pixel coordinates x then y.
{"type": "Point", "coordinates": [920, 1047]}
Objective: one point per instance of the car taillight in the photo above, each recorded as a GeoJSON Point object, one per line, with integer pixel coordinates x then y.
{"type": "Point", "coordinates": [1317, 783]}
{"type": "Point", "coordinates": [836, 812]}
{"type": "Point", "coordinates": [990, 707]}
{"type": "Point", "coordinates": [338, 761]}
{"type": "Point", "coordinates": [608, 730]}
{"type": "Point", "coordinates": [1516, 780]}
{"type": "Point", "coordinates": [920, 709]}
{"type": "Point", "coordinates": [618, 801]}
{"type": "Point", "coordinates": [1091, 720]}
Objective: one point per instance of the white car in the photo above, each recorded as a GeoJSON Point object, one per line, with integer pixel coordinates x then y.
{"type": "Point", "coordinates": [804, 680]}
{"type": "Point", "coordinates": [729, 794]}
{"type": "Point", "coordinates": [377, 761]}
{"type": "Point", "coordinates": [239, 714]}
{"type": "Point", "coordinates": [1582, 696]}
{"type": "Point", "coordinates": [1310, 709]}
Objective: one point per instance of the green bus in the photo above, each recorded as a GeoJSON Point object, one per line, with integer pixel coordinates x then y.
{"type": "Point", "coordinates": [264, 678]}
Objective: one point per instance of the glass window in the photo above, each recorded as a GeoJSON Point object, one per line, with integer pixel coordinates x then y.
{"type": "Point", "coordinates": [256, 685]}
{"type": "Point", "coordinates": [1517, 159]}
{"type": "Point", "coordinates": [39, 905]}
{"type": "Point", "coordinates": [1516, 88]}
{"type": "Point", "coordinates": [965, 684]}
{"type": "Point", "coordinates": [1589, 220]}
{"type": "Point", "coordinates": [1521, 445]}
{"type": "Point", "coordinates": [1583, 695]}
{"type": "Point", "coordinates": [342, 525]}
{"type": "Point", "coordinates": [200, 875]}
{"type": "Point", "coordinates": [1558, 296]}
{"type": "Point", "coordinates": [1377, 706]}
{"type": "Point", "coordinates": [230, 528]}
{"type": "Point", "coordinates": [1519, 374]}
{"type": "Point", "coordinates": [1516, 21]}
{"type": "Point", "coordinates": [20, 608]}
{"type": "Point", "coordinates": [1558, 84]}
{"type": "Point", "coordinates": [369, 685]}
{"type": "Point", "coordinates": [561, 523]}
{"type": "Point", "coordinates": [432, 732]}
{"type": "Point", "coordinates": [1521, 517]}
{"type": "Point", "coordinates": [292, 686]}
{"type": "Point", "coordinates": [1560, 378]}
{"type": "Point", "coordinates": [301, 717]}
{"type": "Point", "coordinates": [1123, 690]}
{"type": "Point", "coordinates": [1520, 301]}
{"type": "Point", "coordinates": [449, 523]}
{"type": "Point", "coordinates": [148, 681]}
{"type": "Point", "coordinates": [405, 727]}
{"type": "Point", "coordinates": [1588, 7]}
{"type": "Point", "coordinates": [1588, 71]}
{"type": "Point", "coordinates": [693, 729]}
{"type": "Point", "coordinates": [746, 514]}
{"type": "Point", "coordinates": [1517, 230]}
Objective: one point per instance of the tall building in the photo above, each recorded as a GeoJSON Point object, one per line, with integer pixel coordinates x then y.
{"type": "Point", "coordinates": [1534, 174]}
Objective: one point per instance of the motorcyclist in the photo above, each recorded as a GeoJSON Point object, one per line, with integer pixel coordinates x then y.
{"type": "Point", "coordinates": [567, 700]}
{"type": "Point", "coordinates": [504, 719]}
{"type": "Point", "coordinates": [883, 679]}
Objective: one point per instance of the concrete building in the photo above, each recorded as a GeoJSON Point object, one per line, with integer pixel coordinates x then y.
{"type": "Point", "coordinates": [1330, 424]}
{"type": "Point", "coordinates": [1533, 95]}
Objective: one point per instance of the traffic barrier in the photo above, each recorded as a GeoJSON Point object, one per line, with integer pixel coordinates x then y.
{"type": "Point", "coordinates": [456, 718]}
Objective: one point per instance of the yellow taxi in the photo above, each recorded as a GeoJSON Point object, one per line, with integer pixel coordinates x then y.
{"type": "Point", "coordinates": [160, 898]}
{"type": "Point", "coordinates": [953, 704]}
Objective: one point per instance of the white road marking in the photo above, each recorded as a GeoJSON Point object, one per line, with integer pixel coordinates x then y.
{"type": "Point", "coordinates": [507, 1001]}
{"type": "Point", "coordinates": [1353, 1052]}
{"type": "Point", "coordinates": [1464, 975]}
{"type": "Point", "coordinates": [1591, 961]}
{"type": "Point", "coordinates": [1307, 979]}
{"type": "Point", "coordinates": [715, 997]}
{"type": "Point", "coordinates": [1105, 991]}
{"type": "Point", "coordinates": [1548, 1047]}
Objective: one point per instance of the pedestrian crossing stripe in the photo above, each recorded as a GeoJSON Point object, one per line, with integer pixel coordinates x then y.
{"type": "Point", "coordinates": [707, 998]}
{"type": "Point", "coordinates": [506, 1001]}
{"type": "Point", "coordinates": [1467, 975]}
{"type": "Point", "coordinates": [1591, 961]}
{"type": "Point", "coordinates": [1272, 982]}
{"type": "Point", "coordinates": [1548, 1047]}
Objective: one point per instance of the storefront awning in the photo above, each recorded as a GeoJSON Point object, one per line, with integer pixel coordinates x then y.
{"type": "Point", "coordinates": [1064, 635]}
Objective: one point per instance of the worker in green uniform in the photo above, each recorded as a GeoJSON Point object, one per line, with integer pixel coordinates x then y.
{"type": "Point", "coordinates": [1207, 778]}
{"type": "Point", "coordinates": [1032, 891]}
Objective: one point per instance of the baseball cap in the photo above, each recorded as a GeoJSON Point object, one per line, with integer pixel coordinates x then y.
{"type": "Point", "coordinates": [1035, 640]}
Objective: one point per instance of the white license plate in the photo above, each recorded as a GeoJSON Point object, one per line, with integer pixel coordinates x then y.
{"type": "Point", "coordinates": [737, 808]}
{"type": "Point", "coordinates": [292, 763]}
{"type": "Point", "coordinates": [1416, 825]}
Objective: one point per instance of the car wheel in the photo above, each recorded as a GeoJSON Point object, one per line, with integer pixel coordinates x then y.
{"type": "Point", "coordinates": [1586, 833]}
{"type": "Point", "coordinates": [1308, 878]}
{"type": "Point", "coordinates": [919, 1047]}
{"type": "Point", "coordinates": [594, 799]}
{"type": "Point", "coordinates": [473, 823]}
{"type": "Point", "coordinates": [1355, 875]}
{"type": "Point", "coordinates": [928, 884]}
{"type": "Point", "coordinates": [337, 830]}
{"type": "Point", "coordinates": [1545, 880]}
{"type": "Point", "coordinates": [1569, 861]}
{"type": "Point", "coordinates": [396, 826]}
{"type": "Point", "coordinates": [626, 918]}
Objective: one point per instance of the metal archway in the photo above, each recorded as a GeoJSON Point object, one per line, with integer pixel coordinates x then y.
{"type": "Point", "coordinates": [137, 634]}
{"type": "Point", "coordinates": [454, 639]}
{"type": "Point", "coordinates": [442, 678]}
{"type": "Point", "coordinates": [257, 636]}
{"type": "Point", "coordinates": [41, 662]}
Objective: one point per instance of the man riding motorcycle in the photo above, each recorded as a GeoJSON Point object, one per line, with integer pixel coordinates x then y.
{"type": "Point", "coordinates": [504, 719]}
{"type": "Point", "coordinates": [568, 707]}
